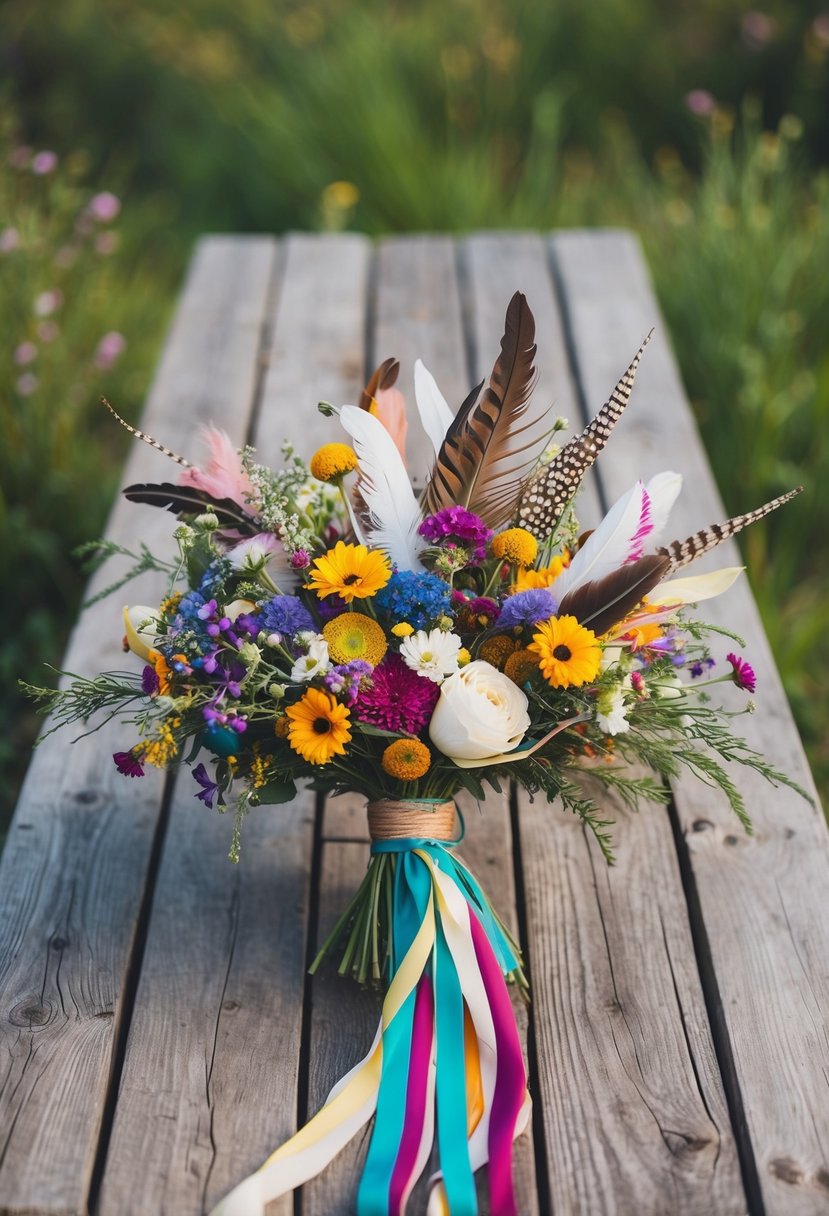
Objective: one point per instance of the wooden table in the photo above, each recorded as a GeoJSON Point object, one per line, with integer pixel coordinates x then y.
{"type": "Point", "coordinates": [160, 1033]}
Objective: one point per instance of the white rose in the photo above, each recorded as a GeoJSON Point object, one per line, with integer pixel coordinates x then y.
{"type": "Point", "coordinates": [480, 713]}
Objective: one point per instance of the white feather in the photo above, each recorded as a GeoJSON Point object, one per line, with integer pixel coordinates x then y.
{"type": "Point", "coordinates": [435, 414]}
{"type": "Point", "coordinates": [628, 531]}
{"type": "Point", "coordinates": [385, 486]}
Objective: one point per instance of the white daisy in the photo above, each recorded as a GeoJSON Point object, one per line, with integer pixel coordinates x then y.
{"type": "Point", "coordinates": [314, 663]}
{"type": "Point", "coordinates": [433, 655]}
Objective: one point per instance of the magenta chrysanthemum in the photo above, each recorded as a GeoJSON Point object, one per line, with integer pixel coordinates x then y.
{"type": "Point", "coordinates": [460, 527]}
{"type": "Point", "coordinates": [742, 673]}
{"type": "Point", "coordinates": [398, 699]}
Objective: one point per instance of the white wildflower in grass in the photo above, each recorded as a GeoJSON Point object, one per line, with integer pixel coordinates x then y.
{"type": "Point", "coordinates": [314, 663]}
{"type": "Point", "coordinates": [433, 655]}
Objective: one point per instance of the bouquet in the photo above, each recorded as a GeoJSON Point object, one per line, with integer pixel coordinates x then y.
{"type": "Point", "coordinates": [323, 623]}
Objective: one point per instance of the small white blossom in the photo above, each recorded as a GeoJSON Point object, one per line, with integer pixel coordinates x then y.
{"type": "Point", "coordinates": [433, 655]}
{"type": "Point", "coordinates": [611, 713]}
{"type": "Point", "coordinates": [250, 555]}
{"type": "Point", "coordinates": [315, 663]}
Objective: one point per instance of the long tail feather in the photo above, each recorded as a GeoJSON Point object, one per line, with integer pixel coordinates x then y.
{"type": "Point", "coordinates": [159, 447]}
{"type": "Point", "coordinates": [681, 553]}
{"type": "Point", "coordinates": [485, 457]}
{"type": "Point", "coordinates": [550, 491]}
{"type": "Point", "coordinates": [187, 500]}
{"type": "Point", "coordinates": [393, 510]}
{"type": "Point", "coordinates": [599, 605]}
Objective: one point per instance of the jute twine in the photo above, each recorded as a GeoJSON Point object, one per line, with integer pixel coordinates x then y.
{"type": "Point", "coordinates": [397, 820]}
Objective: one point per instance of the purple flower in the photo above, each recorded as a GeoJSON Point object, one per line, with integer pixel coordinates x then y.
{"type": "Point", "coordinates": [698, 667]}
{"type": "Point", "coordinates": [208, 788]}
{"type": "Point", "coordinates": [528, 608]}
{"type": "Point", "coordinates": [128, 763]}
{"type": "Point", "coordinates": [742, 673]}
{"type": "Point", "coordinates": [43, 163]}
{"type": "Point", "coordinates": [104, 207]}
{"type": "Point", "coordinates": [398, 698]}
{"type": "Point", "coordinates": [26, 384]}
{"type": "Point", "coordinates": [109, 349]}
{"type": "Point", "coordinates": [700, 102]}
{"type": "Point", "coordinates": [9, 240]}
{"type": "Point", "coordinates": [459, 526]}
{"type": "Point", "coordinates": [149, 681]}
{"type": "Point", "coordinates": [300, 559]}
{"type": "Point", "coordinates": [286, 614]}
{"type": "Point", "coordinates": [25, 353]}
{"type": "Point", "coordinates": [346, 680]}
{"type": "Point", "coordinates": [331, 606]}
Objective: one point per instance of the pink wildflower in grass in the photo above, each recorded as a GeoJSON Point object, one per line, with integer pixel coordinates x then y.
{"type": "Point", "coordinates": [398, 699]}
{"type": "Point", "coordinates": [26, 384]}
{"type": "Point", "coordinates": [820, 28]}
{"type": "Point", "coordinates": [742, 673]}
{"type": "Point", "coordinates": [47, 331]}
{"type": "Point", "coordinates": [20, 157]}
{"type": "Point", "coordinates": [44, 163]}
{"type": "Point", "coordinates": [25, 353]}
{"type": "Point", "coordinates": [106, 243]}
{"type": "Point", "coordinates": [758, 29]}
{"type": "Point", "coordinates": [48, 302]}
{"type": "Point", "coordinates": [9, 240]}
{"type": "Point", "coordinates": [700, 102]}
{"type": "Point", "coordinates": [104, 207]}
{"type": "Point", "coordinates": [109, 349]}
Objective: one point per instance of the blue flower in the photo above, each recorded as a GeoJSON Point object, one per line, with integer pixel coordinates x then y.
{"type": "Point", "coordinates": [528, 608]}
{"type": "Point", "coordinates": [418, 599]}
{"type": "Point", "coordinates": [287, 615]}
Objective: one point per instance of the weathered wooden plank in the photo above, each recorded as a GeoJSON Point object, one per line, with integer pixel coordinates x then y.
{"type": "Point", "coordinates": [227, 1068]}
{"type": "Point", "coordinates": [76, 863]}
{"type": "Point", "coordinates": [417, 315]}
{"type": "Point", "coordinates": [761, 930]}
{"type": "Point", "coordinates": [604, 1101]}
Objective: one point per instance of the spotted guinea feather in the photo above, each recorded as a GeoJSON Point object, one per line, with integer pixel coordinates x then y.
{"type": "Point", "coordinates": [159, 447]}
{"type": "Point", "coordinates": [549, 492]}
{"type": "Point", "coordinates": [682, 553]}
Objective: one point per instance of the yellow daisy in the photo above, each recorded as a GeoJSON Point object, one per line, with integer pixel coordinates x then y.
{"type": "Point", "coordinates": [568, 653]}
{"type": "Point", "coordinates": [332, 461]}
{"type": "Point", "coordinates": [319, 727]}
{"type": "Point", "coordinates": [351, 571]}
{"type": "Point", "coordinates": [351, 635]}
{"type": "Point", "coordinates": [407, 759]}
{"type": "Point", "coordinates": [516, 545]}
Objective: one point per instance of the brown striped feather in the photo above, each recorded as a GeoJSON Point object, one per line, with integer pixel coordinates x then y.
{"type": "Point", "coordinates": [549, 492]}
{"type": "Point", "coordinates": [486, 456]}
{"type": "Point", "coordinates": [159, 447]}
{"type": "Point", "coordinates": [601, 604]}
{"type": "Point", "coordinates": [682, 553]}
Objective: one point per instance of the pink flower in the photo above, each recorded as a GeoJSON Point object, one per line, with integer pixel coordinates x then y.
{"type": "Point", "coordinates": [106, 243]}
{"type": "Point", "coordinates": [109, 349]}
{"type": "Point", "coordinates": [397, 699]}
{"type": "Point", "coordinates": [224, 476]}
{"type": "Point", "coordinates": [758, 30]}
{"type": "Point", "coordinates": [20, 157]}
{"type": "Point", "coordinates": [43, 163]}
{"type": "Point", "coordinates": [47, 331]}
{"type": "Point", "coordinates": [104, 207]}
{"type": "Point", "coordinates": [25, 353]}
{"type": "Point", "coordinates": [820, 28]}
{"type": "Point", "coordinates": [701, 102]}
{"type": "Point", "coordinates": [48, 302]}
{"type": "Point", "coordinates": [742, 673]}
{"type": "Point", "coordinates": [9, 240]}
{"type": "Point", "coordinates": [26, 384]}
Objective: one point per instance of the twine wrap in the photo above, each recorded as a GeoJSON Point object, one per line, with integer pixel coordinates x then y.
{"type": "Point", "coordinates": [411, 818]}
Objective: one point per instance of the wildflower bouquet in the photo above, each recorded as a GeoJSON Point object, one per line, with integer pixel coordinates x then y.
{"type": "Point", "coordinates": [323, 623]}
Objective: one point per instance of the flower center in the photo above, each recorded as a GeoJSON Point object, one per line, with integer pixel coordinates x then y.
{"type": "Point", "coordinates": [321, 726]}
{"type": "Point", "coordinates": [351, 579]}
{"type": "Point", "coordinates": [562, 653]}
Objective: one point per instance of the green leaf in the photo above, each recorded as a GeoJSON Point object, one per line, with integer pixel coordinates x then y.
{"type": "Point", "coordinates": [277, 791]}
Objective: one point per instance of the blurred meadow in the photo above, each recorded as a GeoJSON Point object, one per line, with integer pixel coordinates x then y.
{"type": "Point", "coordinates": [128, 127]}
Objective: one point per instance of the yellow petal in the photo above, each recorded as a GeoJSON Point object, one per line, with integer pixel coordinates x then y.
{"type": "Point", "coordinates": [697, 587]}
{"type": "Point", "coordinates": [140, 640]}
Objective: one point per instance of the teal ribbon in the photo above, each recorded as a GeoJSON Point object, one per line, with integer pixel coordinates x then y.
{"type": "Point", "coordinates": [411, 895]}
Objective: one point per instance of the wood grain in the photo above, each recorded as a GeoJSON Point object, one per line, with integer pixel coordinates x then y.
{"type": "Point", "coordinates": [762, 929]}
{"type": "Point", "coordinates": [77, 861]}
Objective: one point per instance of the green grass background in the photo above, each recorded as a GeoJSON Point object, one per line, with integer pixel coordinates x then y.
{"type": "Point", "coordinates": [385, 117]}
